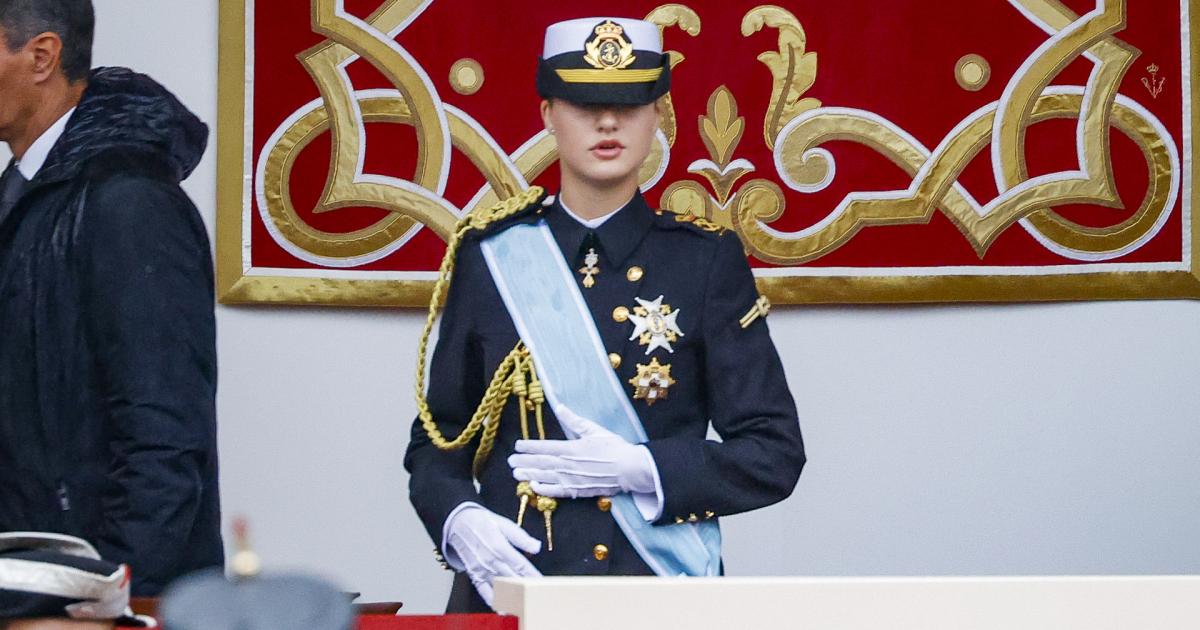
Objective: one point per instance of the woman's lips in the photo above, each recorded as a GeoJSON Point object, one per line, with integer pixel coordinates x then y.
{"type": "Point", "coordinates": [607, 149]}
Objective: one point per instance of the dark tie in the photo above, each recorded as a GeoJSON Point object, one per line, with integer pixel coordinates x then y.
{"type": "Point", "coordinates": [12, 184]}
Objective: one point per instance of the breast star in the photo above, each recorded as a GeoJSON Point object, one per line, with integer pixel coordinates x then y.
{"type": "Point", "coordinates": [655, 325]}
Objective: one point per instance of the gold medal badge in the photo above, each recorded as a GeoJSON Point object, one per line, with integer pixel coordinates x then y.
{"type": "Point", "coordinates": [590, 269]}
{"type": "Point", "coordinates": [653, 382]}
{"type": "Point", "coordinates": [608, 48]}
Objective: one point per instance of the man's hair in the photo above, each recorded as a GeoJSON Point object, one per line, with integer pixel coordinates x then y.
{"type": "Point", "coordinates": [74, 21]}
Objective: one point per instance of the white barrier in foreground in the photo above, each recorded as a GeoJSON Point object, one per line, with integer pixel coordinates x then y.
{"type": "Point", "coordinates": [933, 603]}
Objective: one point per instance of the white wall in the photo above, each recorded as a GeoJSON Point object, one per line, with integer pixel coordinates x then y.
{"type": "Point", "coordinates": [942, 440]}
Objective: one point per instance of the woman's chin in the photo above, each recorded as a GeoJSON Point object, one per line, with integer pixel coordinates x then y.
{"type": "Point", "coordinates": [609, 174]}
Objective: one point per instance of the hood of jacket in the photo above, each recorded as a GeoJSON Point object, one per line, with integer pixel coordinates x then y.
{"type": "Point", "coordinates": [124, 111]}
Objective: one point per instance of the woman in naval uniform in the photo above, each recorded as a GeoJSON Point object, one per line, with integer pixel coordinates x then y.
{"type": "Point", "coordinates": [587, 343]}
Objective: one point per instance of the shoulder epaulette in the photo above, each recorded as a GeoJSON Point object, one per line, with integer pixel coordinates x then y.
{"type": "Point", "coordinates": [690, 219]}
{"type": "Point", "coordinates": [515, 206]}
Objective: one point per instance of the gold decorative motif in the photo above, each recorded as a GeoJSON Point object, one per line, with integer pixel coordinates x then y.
{"type": "Point", "coordinates": [793, 69]}
{"type": "Point", "coordinates": [414, 105]}
{"type": "Point", "coordinates": [791, 127]}
{"type": "Point", "coordinates": [794, 72]}
{"type": "Point", "coordinates": [721, 130]}
{"type": "Point", "coordinates": [620, 314]}
{"type": "Point", "coordinates": [634, 274]}
{"type": "Point", "coordinates": [1027, 102]}
{"type": "Point", "coordinates": [652, 382]}
{"type": "Point", "coordinates": [972, 72]}
{"type": "Point", "coordinates": [614, 360]}
{"type": "Point", "coordinates": [666, 16]}
{"type": "Point", "coordinates": [604, 504]}
{"type": "Point", "coordinates": [414, 203]}
{"type": "Point", "coordinates": [466, 76]}
{"type": "Point", "coordinates": [600, 552]}
{"type": "Point", "coordinates": [609, 49]}
{"type": "Point", "coordinates": [1154, 84]}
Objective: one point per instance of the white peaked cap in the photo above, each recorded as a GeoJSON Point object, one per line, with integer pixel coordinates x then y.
{"type": "Point", "coordinates": [570, 36]}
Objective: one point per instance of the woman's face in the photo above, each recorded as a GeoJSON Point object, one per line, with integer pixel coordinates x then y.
{"type": "Point", "coordinates": [602, 145]}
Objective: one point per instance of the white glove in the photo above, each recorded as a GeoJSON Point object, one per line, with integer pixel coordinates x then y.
{"type": "Point", "coordinates": [489, 545]}
{"type": "Point", "coordinates": [599, 463]}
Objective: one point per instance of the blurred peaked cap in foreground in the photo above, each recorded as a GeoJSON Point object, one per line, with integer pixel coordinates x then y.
{"type": "Point", "coordinates": [210, 601]}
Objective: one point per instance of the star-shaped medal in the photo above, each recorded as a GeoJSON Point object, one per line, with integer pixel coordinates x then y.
{"type": "Point", "coordinates": [654, 323]}
{"type": "Point", "coordinates": [652, 382]}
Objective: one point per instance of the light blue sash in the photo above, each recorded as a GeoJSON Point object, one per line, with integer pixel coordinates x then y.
{"type": "Point", "coordinates": [552, 319]}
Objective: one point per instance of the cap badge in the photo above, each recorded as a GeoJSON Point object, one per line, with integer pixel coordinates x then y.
{"type": "Point", "coordinates": [609, 48]}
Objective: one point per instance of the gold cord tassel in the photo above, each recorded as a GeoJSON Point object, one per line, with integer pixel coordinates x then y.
{"type": "Point", "coordinates": [546, 506]}
{"type": "Point", "coordinates": [525, 492]}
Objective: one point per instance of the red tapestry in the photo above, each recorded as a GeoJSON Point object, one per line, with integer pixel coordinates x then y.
{"type": "Point", "coordinates": [863, 151]}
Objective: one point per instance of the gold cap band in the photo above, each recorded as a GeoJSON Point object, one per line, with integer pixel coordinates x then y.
{"type": "Point", "coordinates": [595, 75]}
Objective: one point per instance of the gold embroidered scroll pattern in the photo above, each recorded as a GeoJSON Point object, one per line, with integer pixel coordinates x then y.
{"type": "Point", "coordinates": [1028, 99]}
{"type": "Point", "coordinates": [344, 111]}
{"type": "Point", "coordinates": [721, 128]}
{"type": "Point", "coordinates": [338, 110]}
{"type": "Point", "coordinates": [794, 70]}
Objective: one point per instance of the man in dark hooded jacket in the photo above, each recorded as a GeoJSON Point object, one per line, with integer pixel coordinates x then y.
{"type": "Point", "coordinates": [107, 349]}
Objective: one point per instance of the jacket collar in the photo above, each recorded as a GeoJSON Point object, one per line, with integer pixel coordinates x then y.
{"type": "Point", "coordinates": [617, 237]}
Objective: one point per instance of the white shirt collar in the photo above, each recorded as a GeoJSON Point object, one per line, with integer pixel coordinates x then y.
{"type": "Point", "coordinates": [588, 223]}
{"type": "Point", "coordinates": [35, 157]}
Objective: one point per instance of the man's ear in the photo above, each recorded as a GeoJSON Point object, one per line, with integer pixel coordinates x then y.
{"type": "Point", "coordinates": [47, 56]}
{"type": "Point", "coordinates": [545, 109]}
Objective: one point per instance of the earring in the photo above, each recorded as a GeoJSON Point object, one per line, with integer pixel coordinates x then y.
{"type": "Point", "coordinates": [550, 131]}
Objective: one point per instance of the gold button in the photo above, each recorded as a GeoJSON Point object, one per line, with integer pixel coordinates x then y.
{"type": "Point", "coordinates": [692, 518]}
{"type": "Point", "coordinates": [678, 521]}
{"type": "Point", "coordinates": [709, 514]}
{"type": "Point", "coordinates": [604, 503]}
{"type": "Point", "coordinates": [614, 359]}
{"type": "Point", "coordinates": [634, 274]}
{"type": "Point", "coordinates": [600, 552]}
{"type": "Point", "coordinates": [620, 314]}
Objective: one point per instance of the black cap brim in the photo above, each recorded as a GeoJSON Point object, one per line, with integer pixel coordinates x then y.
{"type": "Point", "coordinates": [551, 85]}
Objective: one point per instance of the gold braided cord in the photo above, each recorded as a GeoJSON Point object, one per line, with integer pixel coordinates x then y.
{"type": "Point", "coordinates": [537, 396]}
{"type": "Point", "coordinates": [491, 426]}
{"type": "Point", "coordinates": [521, 390]}
{"type": "Point", "coordinates": [501, 385]}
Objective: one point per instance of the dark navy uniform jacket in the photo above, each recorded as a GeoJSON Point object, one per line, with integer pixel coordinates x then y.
{"type": "Point", "coordinates": [724, 373]}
